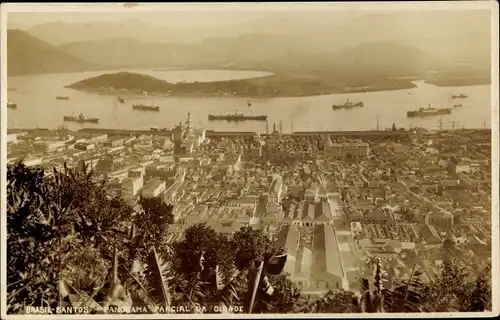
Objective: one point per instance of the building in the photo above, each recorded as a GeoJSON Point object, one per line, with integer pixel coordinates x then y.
{"type": "Point", "coordinates": [327, 272]}
{"type": "Point", "coordinates": [50, 145]}
{"type": "Point", "coordinates": [12, 138]}
{"type": "Point", "coordinates": [245, 202]}
{"type": "Point", "coordinates": [469, 181]}
{"type": "Point", "coordinates": [430, 234]}
{"type": "Point", "coordinates": [276, 189]}
{"type": "Point", "coordinates": [230, 164]}
{"type": "Point", "coordinates": [311, 194]}
{"type": "Point", "coordinates": [32, 162]}
{"type": "Point", "coordinates": [131, 186]}
{"type": "Point", "coordinates": [84, 146]}
{"type": "Point", "coordinates": [154, 188]}
{"type": "Point", "coordinates": [356, 229]}
{"type": "Point", "coordinates": [308, 214]}
{"type": "Point", "coordinates": [105, 165]}
{"type": "Point", "coordinates": [185, 138]}
{"type": "Point", "coordinates": [456, 166]}
{"type": "Point", "coordinates": [168, 145]}
{"type": "Point", "coordinates": [170, 195]}
{"type": "Point", "coordinates": [91, 137]}
{"type": "Point", "coordinates": [288, 238]}
{"type": "Point", "coordinates": [441, 219]}
{"type": "Point", "coordinates": [345, 149]}
{"type": "Point", "coordinates": [115, 141]}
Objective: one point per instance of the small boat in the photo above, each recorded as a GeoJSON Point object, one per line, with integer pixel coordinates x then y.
{"type": "Point", "coordinates": [461, 96]}
{"type": "Point", "coordinates": [62, 98]}
{"type": "Point", "coordinates": [11, 105]}
{"type": "Point", "coordinates": [458, 105]}
{"type": "Point", "coordinates": [81, 119]}
{"type": "Point", "coordinates": [120, 99]}
{"type": "Point", "coordinates": [145, 107]}
{"type": "Point", "coordinates": [348, 105]}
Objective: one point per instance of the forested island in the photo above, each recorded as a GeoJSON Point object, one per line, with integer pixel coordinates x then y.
{"type": "Point", "coordinates": [277, 85]}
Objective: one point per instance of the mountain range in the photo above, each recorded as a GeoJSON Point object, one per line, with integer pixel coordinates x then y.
{"type": "Point", "coordinates": [402, 44]}
{"type": "Point", "coordinates": [277, 53]}
{"type": "Point", "coordinates": [446, 33]}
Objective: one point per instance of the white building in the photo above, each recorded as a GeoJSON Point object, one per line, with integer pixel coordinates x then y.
{"type": "Point", "coordinates": [32, 162]}
{"type": "Point", "coordinates": [131, 186]}
{"type": "Point", "coordinates": [12, 138]}
{"type": "Point", "coordinates": [462, 167]}
{"type": "Point", "coordinates": [154, 188]}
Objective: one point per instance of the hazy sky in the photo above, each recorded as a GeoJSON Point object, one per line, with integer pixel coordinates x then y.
{"type": "Point", "coordinates": [200, 14]}
{"type": "Point", "coordinates": [207, 14]}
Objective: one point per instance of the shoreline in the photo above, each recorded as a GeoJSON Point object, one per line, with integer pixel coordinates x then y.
{"type": "Point", "coordinates": [16, 130]}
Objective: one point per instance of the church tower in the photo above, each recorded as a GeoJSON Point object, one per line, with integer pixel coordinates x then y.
{"type": "Point", "coordinates": [189, 129]}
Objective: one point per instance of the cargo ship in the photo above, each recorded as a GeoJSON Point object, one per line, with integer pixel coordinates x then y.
{"type": "Point", "coordinates": [11, 105]}
{"type": "Point", "coordinates": [81, 119]}
{"type": "Point", "coordinates": [145, 107]}
{"type": "Point", "coordinates": [426, 112]}
{"type": "Point", "coordinates": [348, 105]}
{"type": "Point", "coordinates": [62, 98]}
{"type": "Point", "coordinates": [461, 96]}
{"type": "Point", "coordinates": [238, 116]}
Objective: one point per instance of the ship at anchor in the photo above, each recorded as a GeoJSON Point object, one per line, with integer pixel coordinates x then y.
{"type": "Point", "coordinates": [427, 112]}
{"type": "Point", "coordinates": [348, 105]}
{"type": "Point", "coordinates": [238, 116]}
{"type": "Point", "coordinates": [146, 107]}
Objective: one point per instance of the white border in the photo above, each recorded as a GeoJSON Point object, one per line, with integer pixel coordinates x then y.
{"type": "Point", "coordinates": [369, 6]}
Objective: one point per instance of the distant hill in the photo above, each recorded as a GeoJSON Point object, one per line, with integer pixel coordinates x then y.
{"type": "Point", "coordinates": [387, 58]}
{"type": "Point", "coordinates": [249, 49]}
{"type": "Point", "coordinates": [132, 53]}
{"type": "Point", "coordinates": [270, 52]}
{"type": "Point", "coordinates": [445, 33]}
{"type": "Point", "coordinates": [59, 33]}
{"type": "Point", "coordinates": [29, 55]}
{"type": "Point", "coordinates": [373, 60]}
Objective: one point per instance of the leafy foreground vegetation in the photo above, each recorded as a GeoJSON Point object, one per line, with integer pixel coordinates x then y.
{"type": "Point", "coordinates": [72, 246]}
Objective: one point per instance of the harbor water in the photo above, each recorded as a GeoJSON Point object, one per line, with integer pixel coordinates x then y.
{"type": "Point", "coordinates": [37, 106]}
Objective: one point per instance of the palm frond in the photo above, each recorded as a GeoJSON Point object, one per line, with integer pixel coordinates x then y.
{"type": "Point", "coordinates": [157, 279]}
{"type": "Point", "coordinates": [140, 295]}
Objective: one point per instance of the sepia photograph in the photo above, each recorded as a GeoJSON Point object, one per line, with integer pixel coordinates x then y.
{"type": "Point", "coordinates": [237, 160]}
